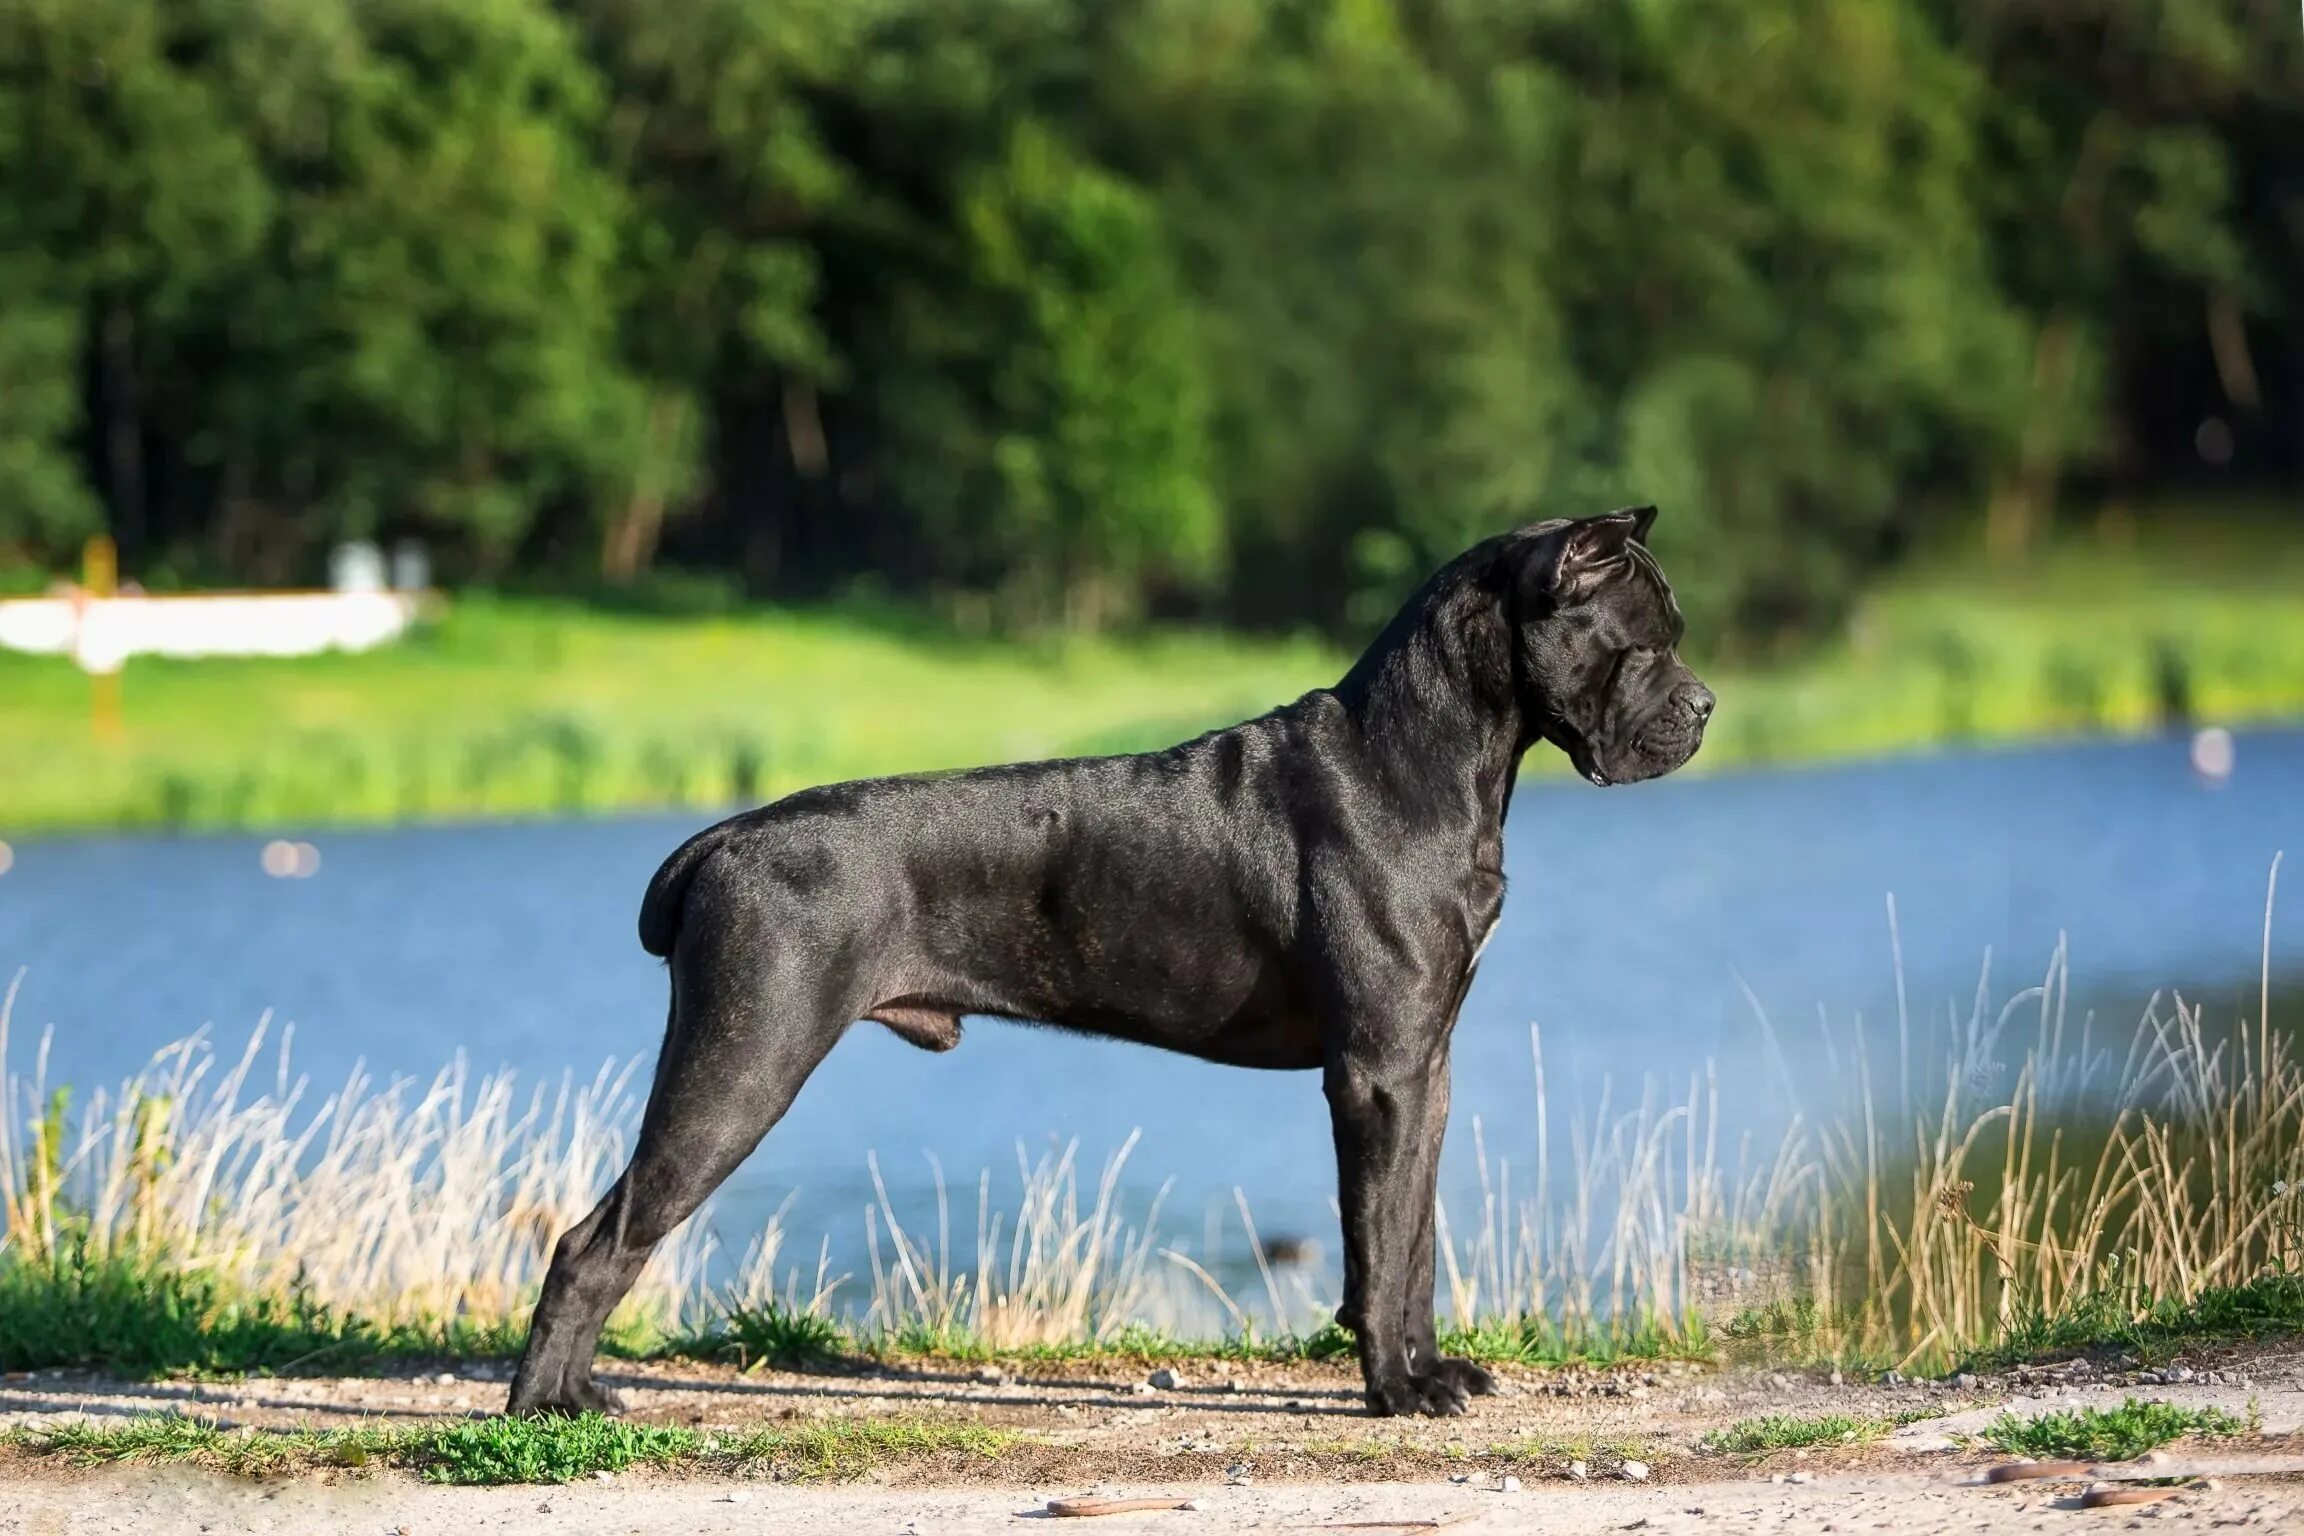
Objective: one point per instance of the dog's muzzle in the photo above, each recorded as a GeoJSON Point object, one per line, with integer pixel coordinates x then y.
{"type": "Point", "coordinates": [1664, 739]}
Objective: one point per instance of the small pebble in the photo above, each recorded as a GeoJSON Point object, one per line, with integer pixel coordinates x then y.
{"type": "Point", "coordinates": [990, 1374]}
{"type": "Point", "coordinates": [446, 1378]}
{"type": "Point", "coordinates": [1510, 1484]}
{"type": "Point", "coordinates": [1801, 1477]}
{"type": "Point", "coordinates": [1965, 1382]}
{"type": "Point", "coordinates": [1635, 1471]}
{"type": "Point", "coordinates": [1239, 1474]}
{"type": "Point", "coordinates": [740, 1496]}
{"type": "Point", "coordinates": [1836, 1377]}
{"type": "Point", "coordinates": [603, 1477]}
{"type": "Point", "coordinates": [1892, 1378]}
{"type": "Point", "coordinates": [1142, 1389]}
{"type": "Point", "coordinates": [1579, 1471]}
{"type": "Point", "coordinates": [1166, 1380]}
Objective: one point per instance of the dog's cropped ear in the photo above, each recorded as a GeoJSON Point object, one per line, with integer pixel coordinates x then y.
{"type": "Point", "coordinates": [1585, 551]}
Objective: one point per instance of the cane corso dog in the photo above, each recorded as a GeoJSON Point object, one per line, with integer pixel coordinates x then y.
{"type": "Point", "coordinates": [1309, 891]}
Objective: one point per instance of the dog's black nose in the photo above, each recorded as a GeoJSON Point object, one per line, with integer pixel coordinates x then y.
{"type": "Point", "coordinates": [1700, 701]}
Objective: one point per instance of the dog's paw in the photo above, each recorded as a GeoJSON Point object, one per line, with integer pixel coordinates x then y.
{"type": "Point", "coordinates": [565, 1399]}
{"type": "Point", "coordinates": [1402, 1396]}
{"type": "Point", "coordinates": [1466, 1377]}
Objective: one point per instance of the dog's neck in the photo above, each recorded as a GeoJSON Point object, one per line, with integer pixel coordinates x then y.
{"type": "Point", "coordinates": [1437, 696]}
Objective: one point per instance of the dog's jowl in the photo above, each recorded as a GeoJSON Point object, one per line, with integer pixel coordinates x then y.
{"type": "Point", "coordinates": [1306, 891]}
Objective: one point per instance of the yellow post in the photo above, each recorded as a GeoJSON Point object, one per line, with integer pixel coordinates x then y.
{"type": "Point", "coordinates": [100, 578]}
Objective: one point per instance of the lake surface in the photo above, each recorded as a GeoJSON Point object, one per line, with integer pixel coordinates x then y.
{"type": "Point", "coordinates": [1632, 915]}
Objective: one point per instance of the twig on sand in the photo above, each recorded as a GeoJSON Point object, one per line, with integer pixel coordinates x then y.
{"type": "Point", "coordinates": [1079, 1508]}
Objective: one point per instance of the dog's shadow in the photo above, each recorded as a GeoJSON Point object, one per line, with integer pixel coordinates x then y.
{"type": "Point", "coordinates": [834, 1386]}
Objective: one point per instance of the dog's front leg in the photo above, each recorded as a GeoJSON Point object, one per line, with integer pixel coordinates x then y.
{"type": "Point", "coordinates": [1424, 1357]}
{"type": "Point", "coordinates": [1389, 1108]}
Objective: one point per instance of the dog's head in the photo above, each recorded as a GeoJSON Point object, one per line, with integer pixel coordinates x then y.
{"type": "Point", "coordinates": [1597, 635]}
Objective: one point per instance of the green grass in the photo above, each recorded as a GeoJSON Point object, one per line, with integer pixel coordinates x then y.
{"type": "Point", "coordinates": [149, 1319]}
{"type": "Point", "coordinates": [2109, 1434]}
{"type": "Point", "coordinates": [776, 1335]}
{"type": "Point", "coordinates": [1961, 650]}
{"type": "Point", "coordinates": [502, 1450]}
{"type": "Point", "coordinates": [2271, 1306]}
{"type": "Point", "coordinates": [1539, 1340]}
{"type": "Point", "coordinates": [523, 706]}
{"type": "Point", "coordinates": [1784, 1431]}
{"type": "Point", "coordinates": [520, 706]}
{"type": "Point", "coordinates": [496, 1451]}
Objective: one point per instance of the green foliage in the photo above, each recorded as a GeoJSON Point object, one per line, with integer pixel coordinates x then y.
{"type": "Point", "coordinates": [1063, 314]}
{"type": "Point", "coordinates": [532, 1451]}
{"type": "Point", "coordinates": [2109, 1434]}
{"type": "Point", "coordinates": [2270, 1306]}
{"type": "Point", "coordinates": [777, 1335]}
{"type": "Point", "coordinates": [542, 1450]}
{"type": "Point", "coordinates": [147, 1317]}
{"type": "Point", "coordinates": [1540, 1340]}
{"type": "Point", "coordinates": [1785, 1431]}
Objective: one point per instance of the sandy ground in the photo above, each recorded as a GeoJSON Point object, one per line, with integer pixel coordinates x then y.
{"type": "Point", "coordinates": [1257, 1447]}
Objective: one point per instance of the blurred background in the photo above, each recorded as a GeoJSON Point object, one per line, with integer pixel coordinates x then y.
{"type": "Point", "coordinates": [642, 410]}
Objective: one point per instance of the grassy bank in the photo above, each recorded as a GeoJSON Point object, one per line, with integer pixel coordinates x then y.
{"type": "Point", "coordinates": [2031, 1188]}
{"type": "Point", "coordinates": [509, 707]}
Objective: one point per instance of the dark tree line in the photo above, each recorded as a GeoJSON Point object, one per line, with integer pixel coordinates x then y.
{"type": "Point", "coordinates": [1072, 311]}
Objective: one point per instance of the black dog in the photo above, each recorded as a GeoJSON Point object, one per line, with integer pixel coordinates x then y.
{"type": "Point", "coordinates": [1310, 890]}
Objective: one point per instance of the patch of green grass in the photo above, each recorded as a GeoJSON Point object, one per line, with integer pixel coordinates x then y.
{"type": "Point", "coordinates": [1797, 1317]}
{"type": "Point", "coordinates": [1786, 1431]}
{"type": "Point", "coordinates": [1542, 1341]}
{"type": "Point", "coordinates": [520, 706]}
{"type": "Point", "coordinates": [2270, 1306]}
{"type": "Point", "coordinates": [540, 1450]}
{"type": "Point", "coordinates": [2109, 1434]}
{"type": "Point", "coordinates": [774, 1335]}
{"type": "Point", "coordinates": [146, 1318]}
{"type": "Point", "coordinates": [503, 1450]}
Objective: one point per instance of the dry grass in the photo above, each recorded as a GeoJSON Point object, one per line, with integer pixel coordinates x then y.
{"type": "Point", "coordinates": [1999, 1178]}
{"type": "Point", "coordinates": [406, 1203]}
{"type": "Point", "coordinates": [2028, 1172]}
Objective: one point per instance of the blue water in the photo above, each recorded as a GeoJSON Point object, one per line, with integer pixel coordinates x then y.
{"type": "Point", "coordinates": [1632, 914]}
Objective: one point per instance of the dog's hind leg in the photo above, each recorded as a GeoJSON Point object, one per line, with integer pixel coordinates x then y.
{"type": "Point", "coordinates": [739, 1046]}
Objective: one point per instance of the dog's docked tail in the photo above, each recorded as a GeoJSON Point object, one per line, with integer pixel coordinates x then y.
{"type": "Point", "coordinates": [668, 891]}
